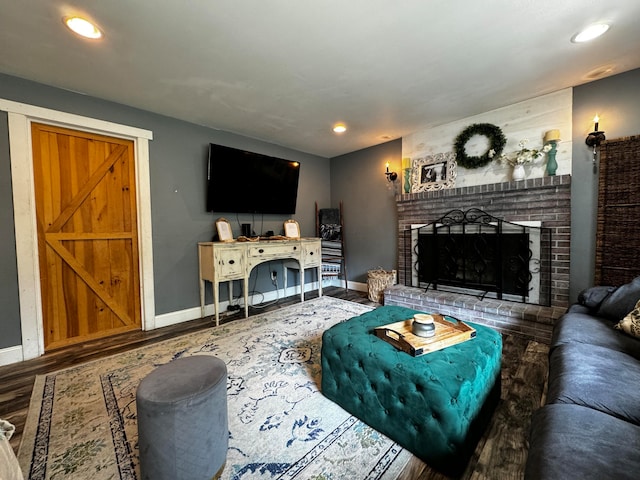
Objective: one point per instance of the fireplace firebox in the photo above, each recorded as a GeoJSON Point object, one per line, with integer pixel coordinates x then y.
{"type": "Point", "coordinates": [476, 253]}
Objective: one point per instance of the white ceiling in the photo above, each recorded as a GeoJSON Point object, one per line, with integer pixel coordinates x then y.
{"type": "Point", "coordinates": [285, 71]}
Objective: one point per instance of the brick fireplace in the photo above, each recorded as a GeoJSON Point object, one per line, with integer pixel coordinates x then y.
{"type": "Point", "coordinates": [546, 200]}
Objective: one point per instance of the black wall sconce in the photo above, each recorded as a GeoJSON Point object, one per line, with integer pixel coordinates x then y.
{"type": "Point", "coordinates": [595, 138]}
{"type": "Point", "coordinates": [391, 176]}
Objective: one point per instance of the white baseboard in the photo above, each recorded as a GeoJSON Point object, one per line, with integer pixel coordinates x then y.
{"type": "Point", "coordinates": [358, 286]}
{"type": "Point", "coordinates": [173, 318]}
{"type": "Point", "coordinates": [11, 355]}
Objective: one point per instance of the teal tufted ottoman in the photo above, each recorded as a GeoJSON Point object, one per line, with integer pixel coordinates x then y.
{"type": "Point", "coordinates": [436, 405]}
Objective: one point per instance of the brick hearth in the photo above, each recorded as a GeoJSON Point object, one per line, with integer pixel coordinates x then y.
{"type": "Point", "coordinates": [541, 199]}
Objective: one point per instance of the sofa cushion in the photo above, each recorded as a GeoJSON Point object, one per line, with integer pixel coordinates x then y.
{"type": "Point", "coordinates": [631, 323]}
{"type": "Point", "coordinates": [570, 441]}
{"type": "Point", "coordinates": [577, 326]}
{"type": "Point", "coordinates": [621, 301]}
{"type": "Point", "coordinates": [595, 377]}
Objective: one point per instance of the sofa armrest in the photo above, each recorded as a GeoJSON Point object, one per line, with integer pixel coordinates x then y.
{"type": "Point", "coordinates": [593, 297]}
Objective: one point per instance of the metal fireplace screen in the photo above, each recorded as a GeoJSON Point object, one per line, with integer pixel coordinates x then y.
{"type": "Point", "coordinates": [474, 252]}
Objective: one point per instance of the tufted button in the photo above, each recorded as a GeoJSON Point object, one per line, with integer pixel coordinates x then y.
{"type": "Point", "coordinates": [402, 400]}
{"type": "Point", "coordinates": [386, 412]}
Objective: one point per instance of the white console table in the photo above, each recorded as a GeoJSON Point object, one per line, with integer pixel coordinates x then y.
{"type": "Point", "coordinates": [228, 261]}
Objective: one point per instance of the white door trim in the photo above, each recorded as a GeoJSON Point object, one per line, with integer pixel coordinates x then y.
{"type": "Point", "coordinates": [20, 117]}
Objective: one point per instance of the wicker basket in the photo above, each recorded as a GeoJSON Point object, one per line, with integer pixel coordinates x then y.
{"type": "Point", "coordinates": [377, 281]}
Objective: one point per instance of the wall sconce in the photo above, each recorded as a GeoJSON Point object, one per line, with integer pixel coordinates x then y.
{"type": "Point", "coordinates": [391, 176]}
{"type": "Point", "coordinates": [595, 138]}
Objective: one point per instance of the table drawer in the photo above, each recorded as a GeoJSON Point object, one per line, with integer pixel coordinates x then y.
{"type": "Point", "coordinates": [274, 250]}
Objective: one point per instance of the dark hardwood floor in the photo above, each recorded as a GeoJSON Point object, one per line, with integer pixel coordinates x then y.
{"type": "Point", "coordinates": [501, 453]}
{"type": "Point", "coordinates": [16, 380]}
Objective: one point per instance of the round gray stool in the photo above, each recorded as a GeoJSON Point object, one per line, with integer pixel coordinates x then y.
{"type": "Point", "coordinates": [182, 420]}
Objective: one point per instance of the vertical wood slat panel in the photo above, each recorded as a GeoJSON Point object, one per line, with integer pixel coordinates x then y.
{"type": "Point", "coordinates": [63, 164]}
{"type": "Point", "coordinates": [617, 227]}
{"type": "Point", "coordinates": [79, 176]}
{"type": "Point", "coordinates": [55, 263]}
{"type": "Point", "coordinates": [117, 248]}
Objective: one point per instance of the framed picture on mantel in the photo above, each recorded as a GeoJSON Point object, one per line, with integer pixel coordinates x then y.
{"type": "Point", "coordinates": [433, 172]}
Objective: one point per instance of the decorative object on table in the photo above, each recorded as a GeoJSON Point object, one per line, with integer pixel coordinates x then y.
{"type": "Point", "coordinates": [523, 156]}
{"type": "Point", "coordinates": [552, 138]}
{"type": "Point", "coordinates": [391, 176]}
{"type": "Point", "coordinates": [223, 227]}
{"type": "Point", "coordinates": [291, 229]}
{"type": "Point", "coordinates": [377, 281]}
{"type": "Point", "coordinates": [423, 325]}
{"type": "Point", "coordinates": [594, 139]}
{"type": "Point", "coordinates": [496, 140]}
{"type": "Point", "coordinates": [406, 170]}
{"type": "Point", "coordinates": [433, 172]}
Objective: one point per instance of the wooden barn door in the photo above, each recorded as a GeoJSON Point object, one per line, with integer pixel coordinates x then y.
{"type": "Point", "coordinates": [87, 234]}
{"type": "Point", "coordinates": [618, 225]}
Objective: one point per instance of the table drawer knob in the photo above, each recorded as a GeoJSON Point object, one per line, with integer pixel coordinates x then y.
{"type": "Point", "coordinates": [261, 250]}
{"type": "Point", "coordinates": [231, 262]}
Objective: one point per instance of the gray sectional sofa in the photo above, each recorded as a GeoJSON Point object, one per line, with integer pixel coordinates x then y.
{"type": "Point", "coordinates": [589, 427]}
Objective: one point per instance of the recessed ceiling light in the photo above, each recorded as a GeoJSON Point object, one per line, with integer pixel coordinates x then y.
{"type": "Point", "coordinates": [340, 128]}
{"type": "Point", "coordinates": [82, 27]}
{"type": "Point", "coordinates": [591, 32]}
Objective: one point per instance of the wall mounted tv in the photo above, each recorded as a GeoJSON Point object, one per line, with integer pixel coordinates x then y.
{"type": "Point", "coordinates": [247, 182]}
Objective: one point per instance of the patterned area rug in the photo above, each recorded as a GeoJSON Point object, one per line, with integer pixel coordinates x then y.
{"type": "Point", "coordinates": [82, 420]}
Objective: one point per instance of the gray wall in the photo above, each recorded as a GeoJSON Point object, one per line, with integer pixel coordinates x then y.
{"type": "Point", "coordinates": [617, 101]}
{"type": "Point", "coordinates": [178, 180]}
{"type": "Point", "coordinates": [369, 206]}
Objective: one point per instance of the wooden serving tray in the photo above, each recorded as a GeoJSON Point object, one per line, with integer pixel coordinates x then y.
{"type": "Point", "coordinates": [449, 331]}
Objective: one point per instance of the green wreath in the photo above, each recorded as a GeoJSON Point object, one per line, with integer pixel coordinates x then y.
{"type": "Point", "coordinates": [497, 141]}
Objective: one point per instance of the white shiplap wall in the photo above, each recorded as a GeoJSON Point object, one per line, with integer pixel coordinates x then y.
{"type": "Point", "coordinates": [529, 119]}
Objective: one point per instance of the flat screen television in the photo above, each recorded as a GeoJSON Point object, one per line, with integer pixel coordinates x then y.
{"type": "Point", "coordinates": [239, 181]}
